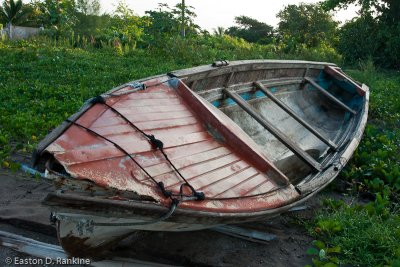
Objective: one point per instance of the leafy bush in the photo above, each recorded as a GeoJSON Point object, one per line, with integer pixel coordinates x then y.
{"type": "Point", "coordinates": [358, 39]}
{"type": "Point", "coordinates": [367, 235]}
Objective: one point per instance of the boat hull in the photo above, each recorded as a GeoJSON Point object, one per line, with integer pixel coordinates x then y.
{"type": "Point", "coordinates": [256, 137]}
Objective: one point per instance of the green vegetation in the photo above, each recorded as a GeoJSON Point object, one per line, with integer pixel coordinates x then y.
{"type": "Point", "coordinates": [82, 54]}
{"type": "Point", "coordinates": [251, 30]}
{"type": "Point", "coordinates": [11, 12]}
{"type": "Point", "coordinates": [366, 235]}
{"type": "Point", "coordinates": [306, 25]}
{"type": "Point", "coordinates": [374, 34]}
{"type": "Point", "coordinates": [369, 234]}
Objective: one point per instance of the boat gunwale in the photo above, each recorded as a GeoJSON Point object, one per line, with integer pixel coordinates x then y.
{"type": "Point", "coordinates": [209, 71]}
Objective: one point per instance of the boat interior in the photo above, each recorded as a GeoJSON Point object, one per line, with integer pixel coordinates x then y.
{"type": "Point", "coordinates": [300, 115]}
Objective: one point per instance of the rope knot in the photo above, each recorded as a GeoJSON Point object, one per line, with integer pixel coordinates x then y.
{"type": "Point", "coordinates": [199, 195]}
{"type": "Point", "coordinates": [155, 142]}
{"type": "Point", "coordinates": [165, 192]}
{"type": "Point", "coordinates": [98, 99]}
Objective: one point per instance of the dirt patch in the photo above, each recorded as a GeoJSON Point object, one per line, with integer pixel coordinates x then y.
{"type": "Point", "coordinates": [209, 248]}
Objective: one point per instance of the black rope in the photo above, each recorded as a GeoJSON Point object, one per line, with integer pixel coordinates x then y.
{"type": "Point", "coordinates": [158, 144]}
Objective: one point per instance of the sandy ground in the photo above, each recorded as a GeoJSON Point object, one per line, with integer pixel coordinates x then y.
{"type": "Point", "coordinates": [22, 213]}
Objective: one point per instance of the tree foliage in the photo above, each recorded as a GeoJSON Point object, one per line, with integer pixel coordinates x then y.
{"type": "Point", "coordinates": [374, 34]}
{"type": "Point", "coordinates": [386, 10]}
{"type": "Point", "coordinates": [125, 24]}
{"type": "Point", "coordinates": [251, 30]}
{"type": "Point", "coordinates": [11, 11]}
{"type": "Point", "coordinates": [306, 24]}
{"type": "Point", "coordinates": [88, 7]}
{"type": "Point", "coordinates": [357, 39]}
{"type": "Point", "coordinates": [60, 14]}
{"type": "Point", "coordinates": [165, 22]}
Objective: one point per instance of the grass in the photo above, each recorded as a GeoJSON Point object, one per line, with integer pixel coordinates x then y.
{"type": "Point", "coordinates": [40, 87]}
{"type": "Point", "coordinates": [365, 237]}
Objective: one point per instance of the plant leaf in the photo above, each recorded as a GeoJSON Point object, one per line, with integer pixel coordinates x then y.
{"type": "Point", "coordinates": [312, 251]}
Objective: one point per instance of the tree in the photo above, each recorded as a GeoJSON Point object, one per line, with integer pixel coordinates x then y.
{"type": "Point", "coordinates": [383, 16]}
{"type": "Point", "coordinates": [58, 14]}
{"type": "Point", "coordinates": [251, 30]}
{"type": "Point", "coordinates": [358, 39]}
{"type": "Point", "coordinates": [219, 31]}
{"type": "Point", "coordinates": [125, 25]}
{"type": "Point", "coordinates": [11, 12]}
{"type": "Point", "coordinates": [166, 22]}
{"type": "Point", "coordinates": [306, 24]}
{"type": "Point", "coordinates": [88, 7]}
{"type": "Point", "coordinates": [386, 10]}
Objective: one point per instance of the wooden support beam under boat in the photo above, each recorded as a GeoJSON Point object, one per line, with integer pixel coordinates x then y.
{"type": "Point", "coordinates": [330, 96]}
{"type": "Point", "coordinates": [288, 110]}
{"type": "Point", "coordinates": [298, 151]}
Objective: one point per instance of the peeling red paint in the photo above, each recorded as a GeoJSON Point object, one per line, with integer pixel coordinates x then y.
{"type": "Point", "coordinates": [231, 172]}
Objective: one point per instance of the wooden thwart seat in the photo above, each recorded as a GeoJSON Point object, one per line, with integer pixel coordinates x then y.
{"type": "Point", "coordinates": [329, 95]}
{"type": "Point", "coordinates": [337, 73]}
{"type": "Point", "coordinates": [298, 151]}
{"type": "Point", "coordinates": [295, 116]}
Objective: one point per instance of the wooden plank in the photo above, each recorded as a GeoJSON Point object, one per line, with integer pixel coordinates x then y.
{"type": "Point", "coordinates": [246, 234]}
{"type": "Point", "coordinates": [250, 185]}
{"type": "Point", "coordinates": [234, 169]}
{"type": "Point", "coordinates": [147, 102]}
{"type": "Point", "coordinates": [47, 251]}
{"type": "Point", "coordinates": [159, 133]}
{"type": "Point", "coordinates": [218, 171]}
{"type": "Point", "coordinates": [275, 131]}
{"type": "Point", "coordinates": [145, 126]}
{"type": "Point", "coordinates": [148, 159]}
{"type": "Point", "coordinates": [329, 95]}
{"type": "Point", "coordinates": [188, 161]}
{"type": "Point", "coordinates": [202, 72]}
{"type": "Point", "coordinates": [126, 111]}
{"type": "Point", "coordinates": [152, 95]}
{"type": "Point", "coordinates": [154, 157]}
{"type": "Point", "coordinates": [94, 153]}
{"type": "Point", "coordinates": [116, 119]}
{"type": "Point", "coordinates": [262, 187]}
{"type": "Point", "coordinates": [225, 185]}
{"type": "Point", "coordinates": [295, 116]}
{"type": "Point", "coordinates": [200, 174]}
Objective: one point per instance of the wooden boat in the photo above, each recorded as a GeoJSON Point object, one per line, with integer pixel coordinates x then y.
{"type": "Point", "coordinates": [197, 148]}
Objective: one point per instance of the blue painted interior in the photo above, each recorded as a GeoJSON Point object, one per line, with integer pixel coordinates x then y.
{"type": "Point", "coordinates": [246, 96]}
{"type": "Point", "coordinates": [323, 80]}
